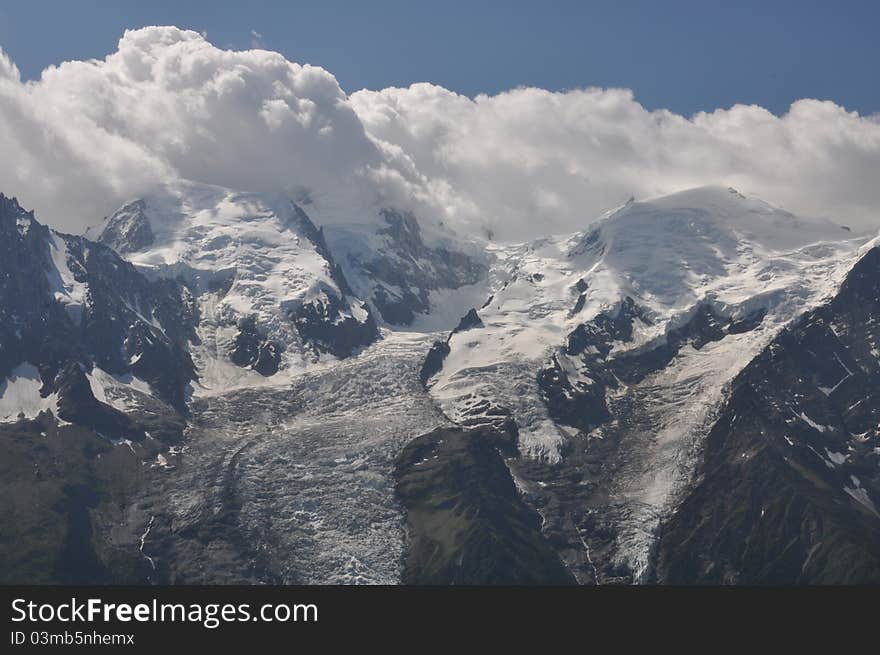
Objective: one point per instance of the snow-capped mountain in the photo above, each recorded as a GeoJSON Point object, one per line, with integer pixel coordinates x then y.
{"type": "Point", "coordinates": [788, 482]}
{"type": "Point", "coordinates": [573, 421]}
{"type": "Point", "coordinates": [621, 287]}
{"type": "Point", "coordinates": [270, 294]}
{"type": "Point", "coordinates": [86, 338]}
{"type": "Point", "coordinates": [276, 292]}
{"type": "Point", "coordinates": [612, 349]}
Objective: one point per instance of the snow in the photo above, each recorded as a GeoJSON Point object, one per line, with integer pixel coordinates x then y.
{"type": "Point", "coordinates": [816, 426]}
{"type": "Point", "coordinates": [860, 495]}
{"type": "Point", "coordinates": [217, 373]}
{"type": "Point", "coordinates": [448, 306]}
{"type": "Point", "coordinates": [837, 458]}
{"type": "Point", "coordinates": [251, 243]}
{"type": "Point", "coordinates": [669, 254]}
{"type": "Point", "coordinates": [62, 283]}
{"type": "Point", "coordinates": [162, 462]}
{"type": "Point", "coordinates": [118, 391]}
{"type": "Point", "coordinates": [363, 238]}
{"type": "Point", "coordinates": [20, 395]}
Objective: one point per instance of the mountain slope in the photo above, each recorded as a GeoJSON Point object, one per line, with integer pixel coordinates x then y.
{"type": "Point", "coordinates": [611, 350]}
{"type": "Point", "coordinates": [94, 383]}
{"type": "Point", "coordinates": [410, 271]}
{"type": "Point", "coordinates": [657, 262]}
{"type": "Point", "coordinates": [788, 486]}
{"type": "Point", "coordinates": [466, 521]}
{"type": "Point", "coordinates": [271, 296]}
{"type": "Point", "coordinates": [557, 432]}
{"type": "Point", "coordinates": [86, 337]}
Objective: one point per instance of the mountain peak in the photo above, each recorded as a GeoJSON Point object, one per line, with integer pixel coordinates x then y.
{"type": "Point", "coordinates": [729, 211]}
{"type": "Point", "coordinates": [271, 294]}
{"type": "Point", "coordinates": [673, 249]}
{"type": "Point", "coordinates": [12, 213]}
{"type": "Point", "coordinates": [697, 261]}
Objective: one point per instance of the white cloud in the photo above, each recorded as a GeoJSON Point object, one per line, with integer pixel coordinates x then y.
{"type": "Point", "coordinates": [61, 164]}
{"type": "Point", "coordinates": [528, 160]}
{"type": "Point", "coordinates": [90, 134]}
{"type": "Point", "coordinates": [167, 104]}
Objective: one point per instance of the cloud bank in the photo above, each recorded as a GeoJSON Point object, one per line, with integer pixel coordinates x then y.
{"type": "Point", "coordinates": [91, 134]}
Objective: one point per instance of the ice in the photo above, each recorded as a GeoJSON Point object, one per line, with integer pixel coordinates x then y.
{"type": "Point", "coordinates": [311, 462]}
{"type": "Point", "coordinates": [309, 452]}
{"type": "Point", "coordinates": [707, 245]}
{"type": "Point", "coordinates": [20, 395]}
{"type": "Point", "coordinates": [245, 254]}
{"type": "Point", "coordinates": [119, 391]}
{"type": "Point", "coordinates": [62, 283]}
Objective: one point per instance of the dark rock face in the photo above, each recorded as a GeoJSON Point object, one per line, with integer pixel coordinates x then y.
{"type": "Point", "coordinates": [581, 404]}
{"type": "Point", "coordinates": [581, 287]}
{"type": "Point", "coordinates": [325, 324]}
{"type": "Point", "coordinates": [252, 350]}
{"type": "Point", "coordinates": [128, 230]}
{"type": "Point", "coordinates": [583, 516]}
{"type": "Point", "coordinates": [407, 270]}
{"type": "Point", "coordinates": [704, 326]}
{"type": "Point", "coordinates": [606, 329]}
{"type": "Point", "coordinates": [466, 522]}
{"type": "Point", "coordinates": [67, 306]}
{"type": "Point", "coordinates": [77, 404]}
{"type": "Point", "coordinates": [787, 490]}
{"type": "Point", "coordinates": [27, 308]}
{"type": "Point", "coordinates": [123, 322]}
{"type": "Point", "coordinates": [591, 244]}
{"type": "Point", "coordinates": [434, 361]}
{"type": "Point", "coordinates": [747, 323]}
{"type": "Point", "coordinates": [469, 321]}
{"type": "Point", "coordinates": [78, 486]}
{"type": "Point", "coordinates": [789, 483]}
{"type": "Point", "coordinates": [116, 326]}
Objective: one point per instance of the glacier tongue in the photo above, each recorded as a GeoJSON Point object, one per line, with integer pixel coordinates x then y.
{"type": "Point", "coordinates": [295, 482]}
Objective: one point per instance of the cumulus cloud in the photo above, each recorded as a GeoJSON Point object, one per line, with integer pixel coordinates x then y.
{"type": "Point", "coordinates": [169, 104]}
{"type": "Point", "coordinates": [61, 164]}
{"type": "Point", "coordinates": [90, 134]}
{"type": "Point", "coordinates": [530, 161]}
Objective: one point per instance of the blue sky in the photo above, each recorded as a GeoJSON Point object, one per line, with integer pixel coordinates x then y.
{"type": "Point", "coordinates": [684, 56]}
